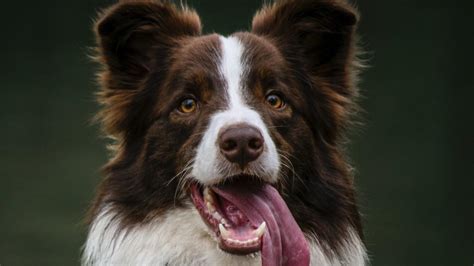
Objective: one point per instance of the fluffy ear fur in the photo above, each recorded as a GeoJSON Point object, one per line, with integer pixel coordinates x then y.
{"type": "Point", "coordinates": [134, 37]}
{"type": "Point", "coordinates": [317, 39]}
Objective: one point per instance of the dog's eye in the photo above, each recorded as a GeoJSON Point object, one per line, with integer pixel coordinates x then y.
{"type": "Point", "coordinates": [275, 101]}
{"type": "Point", "coordinates": [188, 105]}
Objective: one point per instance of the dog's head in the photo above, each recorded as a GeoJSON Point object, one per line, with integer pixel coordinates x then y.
{"type": "Point", "coordinates": [227, 122]}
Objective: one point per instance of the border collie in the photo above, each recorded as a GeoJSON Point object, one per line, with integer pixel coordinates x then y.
{"type": "Point", "coordinates": [227, 150]}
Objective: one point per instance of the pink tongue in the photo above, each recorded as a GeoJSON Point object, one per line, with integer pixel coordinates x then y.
{"type": "Point", "coordinates": [283, 242]}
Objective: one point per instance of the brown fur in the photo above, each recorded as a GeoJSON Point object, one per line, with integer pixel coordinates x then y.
{"type": "Point", "coordinates": [153, 53]}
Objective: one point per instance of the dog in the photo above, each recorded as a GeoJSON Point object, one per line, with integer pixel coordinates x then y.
{"type": "Point", "coordinates": [227, 150]}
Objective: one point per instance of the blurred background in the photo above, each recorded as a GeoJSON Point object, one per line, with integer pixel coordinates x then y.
{"type": "Point", "coordinates": [413, 156]}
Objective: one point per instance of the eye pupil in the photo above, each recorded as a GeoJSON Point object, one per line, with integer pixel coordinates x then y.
{"type": "Point", "coordinates": [275, 101]}
{"type": "Point", "coordinates": [188, 106]}
{"type": "Point", "coordinates": [188, 103]}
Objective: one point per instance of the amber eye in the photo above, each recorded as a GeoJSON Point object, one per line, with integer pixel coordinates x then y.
{"type": "Point", "coordinates": [275, 101]}
{"type": "Point", "coordinates": [188, 105]}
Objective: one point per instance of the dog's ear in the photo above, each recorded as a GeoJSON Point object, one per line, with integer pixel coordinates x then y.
{"type": "Point", "coordinates": [318, 32]}
{"type": "Point", "coordinates": [316, 37]}
{"type": "Point", "coordinates": [133, 39]}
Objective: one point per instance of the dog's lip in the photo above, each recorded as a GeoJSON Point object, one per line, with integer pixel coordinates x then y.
{"type": "Point", "coordinates": [238, 237]}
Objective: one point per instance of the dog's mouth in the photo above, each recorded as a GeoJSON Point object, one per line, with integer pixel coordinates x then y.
{"type": "Point", "coordinates": [248, 217]}
{"type": "Point", "coordinates": [233, 228]}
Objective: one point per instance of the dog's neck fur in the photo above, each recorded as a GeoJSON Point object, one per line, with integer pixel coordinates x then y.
{"type": "Point", "coordinates": [180, 238]}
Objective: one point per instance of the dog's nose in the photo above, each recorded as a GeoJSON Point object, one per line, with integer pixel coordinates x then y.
{"type": "Point", "coordinates": [241, 144]}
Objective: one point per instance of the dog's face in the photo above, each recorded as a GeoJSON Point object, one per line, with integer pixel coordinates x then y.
{"type": "Point", "coordinates": [198, 116]}
{"type": "Point", "coordinates": [222, 101]}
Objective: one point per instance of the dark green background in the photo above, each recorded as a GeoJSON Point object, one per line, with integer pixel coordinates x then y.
{"type": "Point", "coordinates": [413, 156]}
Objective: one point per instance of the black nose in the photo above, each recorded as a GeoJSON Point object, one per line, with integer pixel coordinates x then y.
{"type": "Point", "coordinates": [241, 144]}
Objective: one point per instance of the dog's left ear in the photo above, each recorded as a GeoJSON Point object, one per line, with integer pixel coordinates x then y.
{"type": "Point", "coordinates": [314, 34]}
{"type": "Point", "coordinates": [317, 40]}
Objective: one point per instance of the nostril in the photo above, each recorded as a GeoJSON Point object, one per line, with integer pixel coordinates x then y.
{"type": "Point", "coordinates": [229, 145]}
{"type": "Point", "coordinates": [255, 144]}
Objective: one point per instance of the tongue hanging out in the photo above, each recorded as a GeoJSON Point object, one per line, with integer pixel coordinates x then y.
{"type": "Point", "coordinates": [253, 217]}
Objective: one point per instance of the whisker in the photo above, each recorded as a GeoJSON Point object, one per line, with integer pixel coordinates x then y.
{"type": "Point", "coordinates": [183, 183]}
{"type": "Point", "coordinates": [186, 167]}
{"type": "Point", "coordinates": [183, 173]}
{"type": "Point", "coordinates": [286, 162]}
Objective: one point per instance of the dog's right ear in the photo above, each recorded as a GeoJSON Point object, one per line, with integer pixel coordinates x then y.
{"type": "Point", "coordinates": [134, 38]}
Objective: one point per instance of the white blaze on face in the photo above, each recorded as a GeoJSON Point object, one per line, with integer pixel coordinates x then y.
{"type": "Point", "coordinates": [210, 166]}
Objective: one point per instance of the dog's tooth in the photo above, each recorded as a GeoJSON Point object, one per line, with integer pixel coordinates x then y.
{"type": "Point", "coordinates": [260, 230]}
{"type": "Point", "coordinates": [223, 221]}
{"type": "Point", "coordinates": [224, 233]}
{"type": "Point", "coordinates": [208, 196]}
{"type": "Point", "coordinates": [217, 216]}
{"type": "Point", "coordinates": [210, 207]}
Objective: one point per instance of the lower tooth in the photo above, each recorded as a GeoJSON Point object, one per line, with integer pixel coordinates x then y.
{"type": "Point", "coordinates": [224, 233]}
{"type": "Point", "coordinates": [260, 230]}
{"type": "Point", "coordinates": [242, 243]}
{"type": "Point", "coordinates": [223, 221]}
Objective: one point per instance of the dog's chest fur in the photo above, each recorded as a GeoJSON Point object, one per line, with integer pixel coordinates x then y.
{"type": "Point", "coordinates": [180, 238]}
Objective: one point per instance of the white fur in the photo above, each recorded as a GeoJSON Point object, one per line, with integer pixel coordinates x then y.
{"type": "Point", "coordinates": [210, 166]}
{"type": "Point", "coordinates": [180, 238]}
